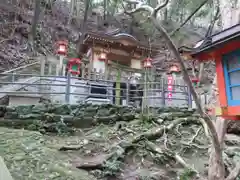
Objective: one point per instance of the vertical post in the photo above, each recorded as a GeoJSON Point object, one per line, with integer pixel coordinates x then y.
{"type": "Point", "coordinates": [42, 66]}
{"type": "Point", "coordinates": [189, 98]}
{"type": "Point", "coordinates": [205, 98]}
{"type": "Point", "coordinates": [163, 91]}
{"type": "Point", "coordinates": [90, 65]}
{"type": "Point", "coordinates": [106, 72]}
{"type": "Point", "coordinates": [83, 70]}
{"type": "Point", "coordinates": [50, 69]}
{"type": "Point", "coordinates": [61, 68]}
{"type": "Point", "coordinates": [144, 91]}
{"type": "Point", "coordinates": [95, 74]}
{"type": "Point", "coordinates": [127, 92]}
{"type": "Point", "coordinates": [42, 74]}
{"type": "Point", "coordinates": [68, 86]}
{"type": "Point", "coordinates": [118, 87]}
{"type": "Point", "coordinates": [13, 76]}
{"type": "Point", "coordinates": [58, 67]}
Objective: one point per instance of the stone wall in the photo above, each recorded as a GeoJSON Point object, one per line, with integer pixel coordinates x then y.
{"type": "Point", "coordinates": [79, 116]}
{"type": "Point", "coordinates": [55, 117]}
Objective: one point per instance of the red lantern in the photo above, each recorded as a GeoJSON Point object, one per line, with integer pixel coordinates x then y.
{"type": "Point", "coordinates": [147, 63]}
{"type": "Point", "coordinates": [62, 48]}
{"type": "Point", "coordinates": [195, 81]}
{"type": "Point", "coordinates": [74, 65]}
{"type": "Point", "coordinates": [174, 68]}
{"type": "Point", "coordinates": [103, 56]}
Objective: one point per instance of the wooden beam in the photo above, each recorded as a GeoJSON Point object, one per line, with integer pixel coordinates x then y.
{"type": "Point", "coordinates": [4, 172]}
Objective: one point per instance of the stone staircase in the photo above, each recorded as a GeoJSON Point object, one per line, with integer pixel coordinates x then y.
{"type": "Point", "coordinates": [21, 74]}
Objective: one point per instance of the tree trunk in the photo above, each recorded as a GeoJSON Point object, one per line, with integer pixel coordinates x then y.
{"type": "Point", "coordinates": [35, 22]}
{"type": "Point", "coordinates": [216, 170]}
{"type": "Point", "coordinates": [83, 26]}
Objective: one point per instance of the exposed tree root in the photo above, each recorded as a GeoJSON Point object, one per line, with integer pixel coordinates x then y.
{"type": "Point", "coordinates": [152, 134]}
{"type": "Point", "coordinates": [194, 137]}
{"type": "Point", "coordinates": [92, 163]}
{"type": "Point", "coordinates": [70, 148]}
{"type": "Point", "coordinates": [152, 147]}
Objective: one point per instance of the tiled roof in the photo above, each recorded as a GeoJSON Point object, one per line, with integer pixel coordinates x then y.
{"type": "Point", "coordinates": [214, 41]}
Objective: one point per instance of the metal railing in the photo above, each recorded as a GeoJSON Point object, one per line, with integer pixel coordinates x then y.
{"type": "Point", "coordinates": [67, 89]}
{"type": "Point", "coordinates": [26, 69]}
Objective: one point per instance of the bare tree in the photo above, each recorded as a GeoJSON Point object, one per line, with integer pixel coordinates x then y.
{"type": "Point", "coordinates": [216, 156]}
{"type": "Point", "coordinates": [83, 25]}
{"type": "Point", "coordinates": [35, 21]}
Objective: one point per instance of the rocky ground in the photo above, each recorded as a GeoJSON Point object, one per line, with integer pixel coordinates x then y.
{"type": "Point", "coordinates": [170, 143]}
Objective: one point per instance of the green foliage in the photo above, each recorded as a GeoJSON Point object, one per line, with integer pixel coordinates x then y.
{"type": "Point", "coordinates": [113, 165]}
{"type": "Point", "coordinates": [187, 174]}
{"type": "Point", "coordinates": [111, 168]}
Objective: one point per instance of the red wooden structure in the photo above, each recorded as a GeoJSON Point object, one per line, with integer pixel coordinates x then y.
{"type": "Point", "coordinates": [224, 49]}
{"type": "Point", "coordinates": [74, 65]}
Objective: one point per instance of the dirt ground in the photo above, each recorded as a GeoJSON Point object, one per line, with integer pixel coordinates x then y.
{"type": "Point", "coordinates": [105, 152]}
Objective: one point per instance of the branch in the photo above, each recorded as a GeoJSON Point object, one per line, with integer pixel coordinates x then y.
{"type": "Point", "coordinates": [235, 173]}
{"type": "Point", "coordinates": [155, 149]}
{"type": "Point", "coordinates": [207, 119]}
{"type": "Point", "coordinates": [189, 17]}
{"type": "Point", "coordinates": [159, 7]}
{"type": "Point", "coordinates": [142, 8]}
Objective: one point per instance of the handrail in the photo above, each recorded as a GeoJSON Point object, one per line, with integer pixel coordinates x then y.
{"type": "Point", "coordinates": [21, 67]}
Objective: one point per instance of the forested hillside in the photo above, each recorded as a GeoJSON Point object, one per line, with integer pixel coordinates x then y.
{"type": "Point", "coordinates": [111, 142]}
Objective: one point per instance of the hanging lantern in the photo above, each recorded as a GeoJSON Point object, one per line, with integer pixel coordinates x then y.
{"type": "Point", "coordinates": [62, 48]}
{"type": "Point", "coordinates": [195, 81]}
{"type": "Point", "coordinates": [74, 65]}
{"type": "Point", "coordinates": [103, 56]}
{"type": "Point", "coordinates": [174, 69]}
{"type": "Point", "coordinates": [147, 63]}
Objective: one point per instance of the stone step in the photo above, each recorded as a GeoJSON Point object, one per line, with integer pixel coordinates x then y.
{"type": "Point", "coordinates": [26, 99]}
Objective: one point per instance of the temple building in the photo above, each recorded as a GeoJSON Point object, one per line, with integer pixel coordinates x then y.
{"type": "Point", "coordinates": [119, 57]}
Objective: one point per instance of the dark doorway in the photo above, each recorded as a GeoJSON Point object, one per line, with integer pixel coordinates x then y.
{"type": "Point", "coordinates": [98, 91]}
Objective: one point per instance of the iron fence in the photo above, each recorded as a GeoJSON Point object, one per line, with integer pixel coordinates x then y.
{"type": "Point", "coordinates": [69, 89]}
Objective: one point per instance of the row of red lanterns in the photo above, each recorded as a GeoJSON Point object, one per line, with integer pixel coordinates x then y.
{"type": "Point", "coordinates": [73, 64]}
{"type": "Point", "coordinates": [62, 49]}
{"type": "Point", "coordinates": [147, 63]}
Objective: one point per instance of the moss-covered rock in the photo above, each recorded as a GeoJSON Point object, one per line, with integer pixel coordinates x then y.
{"type": "Point", "coordinates": [86, 115]}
